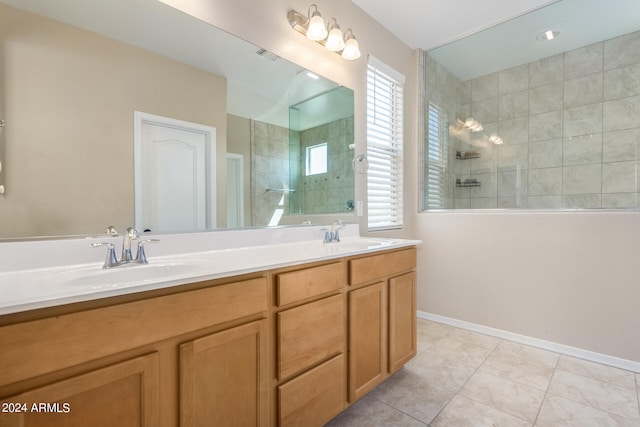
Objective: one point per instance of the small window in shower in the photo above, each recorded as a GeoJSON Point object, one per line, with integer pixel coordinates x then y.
{"type": "Point", "coordinates": [316, 159]}
{"type": "Point", "coordinates": [436, 158]}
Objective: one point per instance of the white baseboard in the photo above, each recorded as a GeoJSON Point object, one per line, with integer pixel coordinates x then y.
{"type": "Point", "coordinates": [580, 353]}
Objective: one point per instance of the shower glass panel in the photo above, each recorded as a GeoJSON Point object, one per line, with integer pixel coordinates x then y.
{"type": "Point", "coordinates": [324, 122]}
{"type": "Point", "coordinates": [557, 132]}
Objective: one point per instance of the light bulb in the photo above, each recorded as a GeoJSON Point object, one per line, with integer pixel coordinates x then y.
{"type": "Point", "coordinates": [335, 41]}
{"type": "Point", "coordinates": [316, 30]}
{"type": "Point", "coordinates": [351, 50]}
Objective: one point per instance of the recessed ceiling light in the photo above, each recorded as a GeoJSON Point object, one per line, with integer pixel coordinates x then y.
{"type": "Point", "coordinates": [309, 74]}
{"type": "Point", "coordinates": [548, 35]}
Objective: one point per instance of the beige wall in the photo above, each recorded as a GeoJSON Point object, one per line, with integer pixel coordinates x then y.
{"type": "Point", "coordinates": [70, 98]}
{"type": "Point", "coordinates": [566, 277]}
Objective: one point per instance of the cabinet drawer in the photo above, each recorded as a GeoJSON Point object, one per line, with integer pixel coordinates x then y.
{"type": "Point", "coordinates": [314, 397]}
{"type": "Point", "coordinates": [302, 284]}
{"type": "Point", "coordinates": [310, 333]}
{"type": "Point", "coordinates": [374, 267]}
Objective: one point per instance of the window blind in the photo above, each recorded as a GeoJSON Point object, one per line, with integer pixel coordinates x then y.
{"type": "Point", "coordinates": [435, 197]}
{"type": "Point", "coordinates": [384, 146]}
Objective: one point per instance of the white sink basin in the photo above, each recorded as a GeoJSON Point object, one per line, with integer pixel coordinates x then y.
{"type": "Point", "coordinates": [347, 246]}
{"type": "Point", "coordinates": [26, 289]}
{"type": "Point", "coordinates": [94, 278]}
{"type": "Point", "coordinates": [366, 243]}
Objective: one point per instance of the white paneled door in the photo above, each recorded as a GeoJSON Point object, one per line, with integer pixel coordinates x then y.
{"type": "Point", "coordinates": [175, 175]}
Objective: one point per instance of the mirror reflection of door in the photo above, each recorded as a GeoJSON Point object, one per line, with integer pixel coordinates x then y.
{"type": "Point", "coordinates": [235, 190]}
{"type": "Point", "coordinates": [174, 173]}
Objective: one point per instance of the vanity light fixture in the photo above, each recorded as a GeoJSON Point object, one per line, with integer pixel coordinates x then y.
{"type": "Point", "coordinates": [495, 139]}
{"type": "Point", "coordinates": [351, 50]}
{"type": "Point", "coordinates": [473, 125]}
{"type": "Point", "coordinates": [330, 36]}
{"type": "Point", "coordinates": [316, 30]}
{"type": "Point", "coordinates": [335, 40]}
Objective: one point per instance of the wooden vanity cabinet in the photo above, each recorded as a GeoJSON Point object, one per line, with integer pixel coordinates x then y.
{"type": "Point", "coordinates": [382, 318]}
{"type": "Point", "coordinates": [310, 365]}
{"type": "Point", "coordinates": [187, 358]}
{"type": "Point", "coordinates": [287, 347]}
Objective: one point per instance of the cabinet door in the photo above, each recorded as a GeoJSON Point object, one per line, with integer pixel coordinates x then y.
{"type": "Point", "coordinates": [224, 378]}
{"type": "Point", "coordinates": [402, 320]}
{"type": "Point", "coordinates": [367, 329]}
{"type": "Point", "coordinates": [124, 394]}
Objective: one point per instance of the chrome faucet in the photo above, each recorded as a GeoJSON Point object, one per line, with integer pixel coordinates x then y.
{"type": "Point", "coordinates": [126, 258]}
{"type": "Point", "coordinates": [336, 227]}
{"type": "Point", "coordinates": [333, 235]}
{"type": "Point", "coordinates": [130, 235]}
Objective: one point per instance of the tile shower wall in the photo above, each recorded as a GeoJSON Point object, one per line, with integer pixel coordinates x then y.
{"type": "Point", "coordinates": [445, 90]}
{"type": "Point", "coordinates": [570, 125]}
{"type": "Point", "coordinates": [269, 170]}
{"type": "Point", "coordinates": [330, 192]}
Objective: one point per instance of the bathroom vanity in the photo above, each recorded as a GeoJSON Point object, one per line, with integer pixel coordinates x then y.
{"type": "Point", "coordinates": [277, 343]}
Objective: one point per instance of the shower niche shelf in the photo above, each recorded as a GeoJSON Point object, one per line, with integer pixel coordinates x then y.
{"type": "Point", "coordinates": [467, 155]}
{"type": "Point", "coordinates": [467, 183]}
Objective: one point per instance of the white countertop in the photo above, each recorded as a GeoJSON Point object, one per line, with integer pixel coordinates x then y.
{"type": "Point", "coordinates": [47, 285]}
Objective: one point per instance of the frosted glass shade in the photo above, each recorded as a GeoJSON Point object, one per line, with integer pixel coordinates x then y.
{"type": "Point", "coordinates": [316, 30]}
{"type": "Point", "coordinates": [335, 42]}
{"type": "Point", "coordinates": [351, 50]}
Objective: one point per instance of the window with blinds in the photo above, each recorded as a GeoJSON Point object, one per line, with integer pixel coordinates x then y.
{"type": "Point", "coordinates": [436, 158]}
{"type": "Point", "coordinates": [384, 146]}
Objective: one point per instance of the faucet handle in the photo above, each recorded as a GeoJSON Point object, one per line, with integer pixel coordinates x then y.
{"type": "Point", "coordinates": [337, 226]}
{"type": "Point", "coordinates": [111, 260]}
{"type": "Point", "coordinates": [132, 233]}
{"type": "Point", "coordinates": [111, 231]}
{"type": "Point", "coordinates": [328, 235]}
{"type": "Point", "coordinates": [141, 256]}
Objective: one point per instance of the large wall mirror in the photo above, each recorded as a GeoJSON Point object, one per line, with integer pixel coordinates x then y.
{"type": "Point", "coordinates": [74, 74]}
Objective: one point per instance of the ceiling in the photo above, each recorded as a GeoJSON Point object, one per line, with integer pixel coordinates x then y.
{"type": "Point", "coordinates": [438, 26]}
{"type": "Point", "coordinates": [463, 35]}
{"type": "Point", "coordinates": [427, 24]}
{"type": "Point", "coordinates": [260, 85]}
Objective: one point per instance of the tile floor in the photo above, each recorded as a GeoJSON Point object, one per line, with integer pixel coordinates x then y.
{"type": "Point", "coordinates": [460, 378]}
